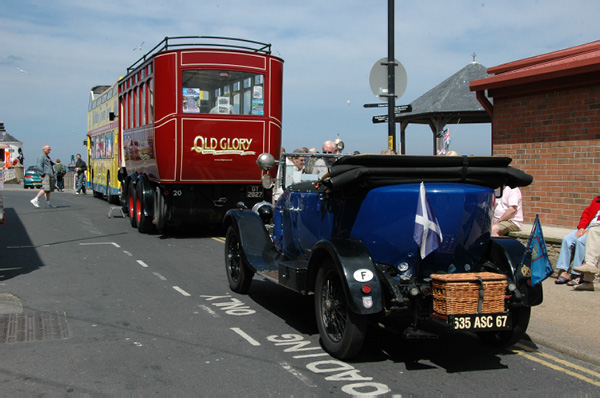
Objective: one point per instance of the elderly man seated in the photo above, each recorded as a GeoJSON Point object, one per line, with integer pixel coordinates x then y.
{"type": "Point", "coordinates": [589, 268]}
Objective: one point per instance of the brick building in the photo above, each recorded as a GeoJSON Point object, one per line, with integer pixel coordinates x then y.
{"type": "Point", "coordinates": [546, 117]}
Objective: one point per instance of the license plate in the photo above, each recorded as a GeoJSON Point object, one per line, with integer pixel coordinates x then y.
{"type": "Point", "coordinates": [480, 322]}
{"type": "Point", "coordinates": [254, 192]}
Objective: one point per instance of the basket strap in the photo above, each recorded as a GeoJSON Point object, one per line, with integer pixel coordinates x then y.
{"type": "Point", "coordinates": [480, 301]}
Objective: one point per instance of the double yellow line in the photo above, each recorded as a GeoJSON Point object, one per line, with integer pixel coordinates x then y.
{"type": "Point", "coordinates": [578, 372]}
{"type": "Point", "coordinates": [534, 355]}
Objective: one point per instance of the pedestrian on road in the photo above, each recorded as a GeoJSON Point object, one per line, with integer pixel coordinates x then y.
{"type": "Point", "coordinates": [46, 170]}
{"type": "Point", "coordinates": [576, 241]}
{"type": "Point", "coordinates": [80, 168]}
{"type": "Point", "coordinates": [61, 170]}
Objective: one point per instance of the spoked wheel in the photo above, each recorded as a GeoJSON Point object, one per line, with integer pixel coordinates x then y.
{"type": "Point", "coordinates": [144, 223]}
{"type": "Point", "coordinates": [239, 274]}
{"type": "Point", "coordinates": [505, 338]}
{"type": "Point", "coordinates": [131, 202]}
{"type": "Point", "coordinates": [342, 331]}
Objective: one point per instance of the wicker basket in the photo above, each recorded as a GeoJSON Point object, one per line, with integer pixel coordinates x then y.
{"type": "Point", "coordinates": [465, 294]}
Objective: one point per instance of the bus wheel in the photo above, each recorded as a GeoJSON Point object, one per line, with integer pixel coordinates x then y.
{"type": "Point", "coordinates": [131, 201]}
{"type": "Point", "coordinates": [144, 223]}
{"type": "Point", "coordinates": [160, 211]}
{"type": "Point", "coordinates": [109, 198]}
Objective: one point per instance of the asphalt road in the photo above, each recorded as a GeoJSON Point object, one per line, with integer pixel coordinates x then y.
{"type": "Point", "coordinates": [123, 313]}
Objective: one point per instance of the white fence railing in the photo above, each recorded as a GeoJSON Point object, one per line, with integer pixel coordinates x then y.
{"type": "Point", "coordinates": [9, 174]}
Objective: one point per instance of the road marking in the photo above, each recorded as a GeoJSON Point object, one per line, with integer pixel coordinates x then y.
{"type": "Point", "coordinates": [532, 357]}
{"type": "Point", "coordinates": [297, 374]}
{"type": "Point", "coordinates": [20, 247]}
{"type": "Point", "coordinates": [180, 290]}
{"type": "Point", "coordinates": [561, 361]}
{"type": "Point", "coordinates": [100, 243]}
{"type": "Point", "coordinates": [246, 336]}
{"type": "Point", "coordinates": [222, 240]}
{"type": "Point", "coordinates": [159, 276]}
{"type": "Point", "coordinates": [126, 252]}
{"type": "Point", "coordinates": [143, 264]}
{"type": "Point", "coordinates": [211, 312]}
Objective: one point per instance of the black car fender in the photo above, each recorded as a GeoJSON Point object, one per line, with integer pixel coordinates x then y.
{"type": "Point", "coordinates": [257, 247]}
{"type": "Point", "coordinates": [354, 262]}
{"type": "Point", "coordinates": [508, 254]}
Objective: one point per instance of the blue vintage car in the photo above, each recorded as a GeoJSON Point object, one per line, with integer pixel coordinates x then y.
{"type": "Point", "coordinates": [389, 237]}
{"type": "Point", "coordinates": [32, 178]}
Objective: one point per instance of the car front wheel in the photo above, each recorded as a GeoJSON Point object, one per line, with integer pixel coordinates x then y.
{"type": "Point", "coordinates": [342, 331]}
{"type": "Point", "coordinates": [239, 274]}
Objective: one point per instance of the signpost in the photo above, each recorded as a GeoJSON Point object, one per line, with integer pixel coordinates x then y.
{"type": "Point", "coordinates": [388, 81]}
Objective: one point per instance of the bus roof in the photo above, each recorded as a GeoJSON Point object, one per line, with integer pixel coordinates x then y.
{"type": "Point", "coordinates": [171, 43]}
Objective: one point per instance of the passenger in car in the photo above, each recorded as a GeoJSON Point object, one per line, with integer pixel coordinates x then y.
{"type": "Point", "coordinates": [322, 166]}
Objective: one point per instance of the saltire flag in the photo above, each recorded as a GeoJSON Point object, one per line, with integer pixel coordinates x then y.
{"type": "Point", "coordinates": [428, 234]}
{"type": "Point", "coordinates": [540, 263]}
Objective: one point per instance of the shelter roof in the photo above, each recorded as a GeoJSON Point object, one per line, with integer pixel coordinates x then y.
{"type": "Point", "coordinates": [5, 137]}
{"type": "Point", "coordinates": [451, 100]}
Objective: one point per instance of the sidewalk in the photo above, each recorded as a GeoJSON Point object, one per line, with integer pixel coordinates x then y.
{"type": "Point", "coordinates": [567, 321]}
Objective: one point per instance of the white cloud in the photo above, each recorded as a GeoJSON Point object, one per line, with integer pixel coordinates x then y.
{"type": "Point", "coordinates": [69, 46]}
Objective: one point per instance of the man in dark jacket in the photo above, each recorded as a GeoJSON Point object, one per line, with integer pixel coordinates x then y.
{"type": "Point", "coordinates": [81, 169]}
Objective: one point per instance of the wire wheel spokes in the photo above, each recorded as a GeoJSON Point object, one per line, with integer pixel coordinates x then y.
{"type": "Point", "coordinates": [234, 259]}
{"type": "Point", "coordinates": [334, 308]}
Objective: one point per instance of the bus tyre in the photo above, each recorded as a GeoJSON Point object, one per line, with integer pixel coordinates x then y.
{"type": "Point", "coordinates": [239, 274]}
{"type": "Point", "coordinates": [144, 223]}
{"type": "Point", "coordinates": [109, 198]}
{"type": "Point", "coordinates": [342, 331]}
{"type": "Point", "coordinates": [160, 211]}
{"type": "Point", "coordinates": [131, 201]}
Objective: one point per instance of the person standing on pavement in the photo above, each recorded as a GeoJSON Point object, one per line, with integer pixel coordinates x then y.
{"type": "Point", "coordinates": [80, 168]}
{"type": "Point", "coordinates": [46, 169]}
{"type": "Point", "coordinates": [61, 170]}
{"type": "Point", "coordinates": [576, 241]}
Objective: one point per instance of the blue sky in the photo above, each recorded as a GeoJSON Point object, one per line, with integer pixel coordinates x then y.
{"type": "Point", "coordinates": [329, 46]}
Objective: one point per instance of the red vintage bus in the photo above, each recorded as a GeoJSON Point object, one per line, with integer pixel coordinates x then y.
{"type": "Point", "coordinates": [195, 113]}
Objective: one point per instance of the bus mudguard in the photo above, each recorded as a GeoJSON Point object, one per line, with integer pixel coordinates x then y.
{"type": "Point", "coordinates": [354, 263]}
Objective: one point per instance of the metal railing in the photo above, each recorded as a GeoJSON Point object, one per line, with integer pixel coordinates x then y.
{"type": "Point", "coordinates": [203, 42]}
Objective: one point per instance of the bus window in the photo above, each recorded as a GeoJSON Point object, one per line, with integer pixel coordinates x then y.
{"type": "Point", "coordinates": [226, 89]}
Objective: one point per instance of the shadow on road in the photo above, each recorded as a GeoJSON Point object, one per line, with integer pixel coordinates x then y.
{"type": "Point", "coordinates": [17, 254]}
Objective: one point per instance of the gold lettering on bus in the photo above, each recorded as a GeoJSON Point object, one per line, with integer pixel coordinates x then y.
{"type": "Point", "coordinates": [223, 146]}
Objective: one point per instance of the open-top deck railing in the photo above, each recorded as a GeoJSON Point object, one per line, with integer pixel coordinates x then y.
{"type": "Point", "coordinates": [203, 42]}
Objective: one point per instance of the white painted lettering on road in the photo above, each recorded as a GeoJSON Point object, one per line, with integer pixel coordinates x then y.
{"type": "Point", "coordinates": [355, 383]}
{"type": "Point", "coordinates": [232, 306]}
{"type": "Point", "coordinates": [143, 264]}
